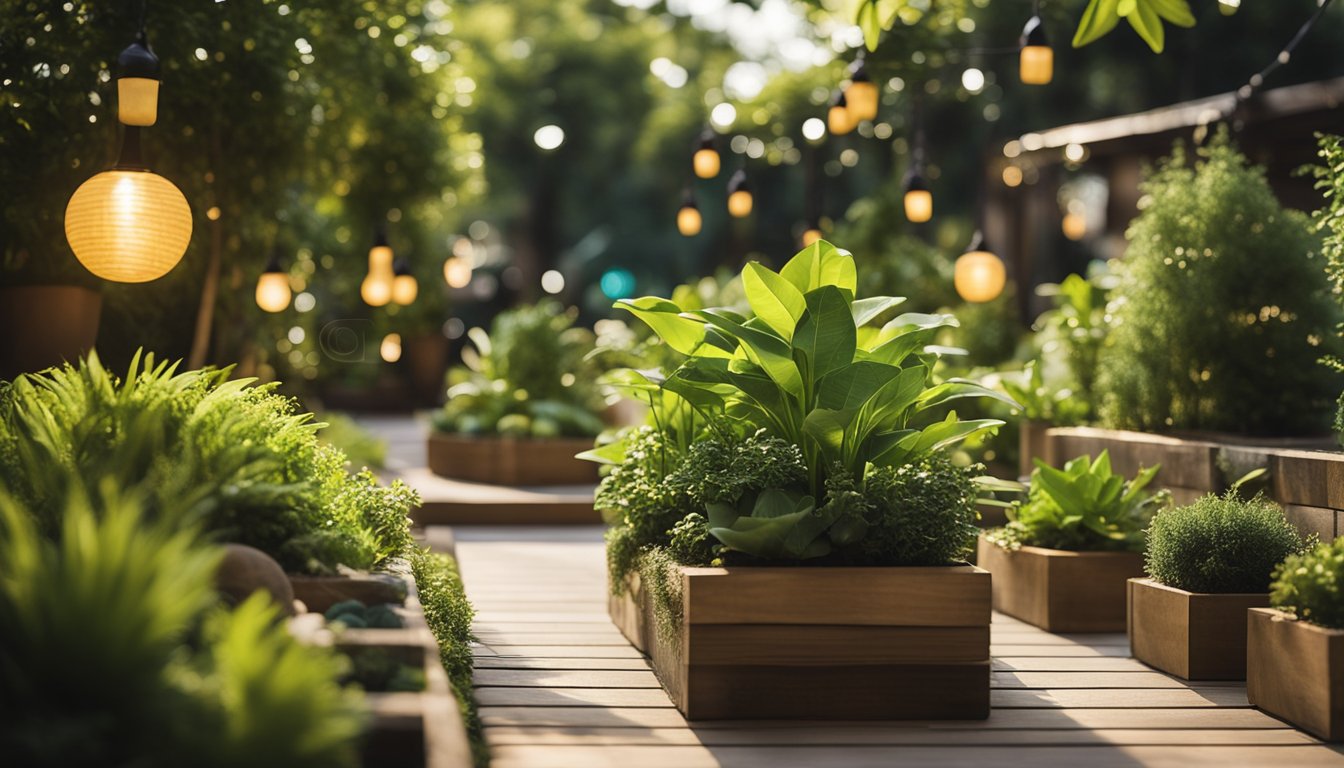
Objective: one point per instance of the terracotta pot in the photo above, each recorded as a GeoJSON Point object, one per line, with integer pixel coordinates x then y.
{"type": "Point", "coordinates": [46, 325]}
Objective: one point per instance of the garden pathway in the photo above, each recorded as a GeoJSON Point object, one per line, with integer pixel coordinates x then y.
{"type": "Point", "coordinates": [559, 687]}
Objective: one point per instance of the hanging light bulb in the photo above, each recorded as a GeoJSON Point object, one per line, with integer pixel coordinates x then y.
{"type": "Point", "coordinates": [688, 216]}
{"type": "Point", "coordinates": [1074, 223]}
{"type": "Point", "coordinates": [861, 94]}
{"type": "Point", "coordinates": [739, 195]}
{"type": "Point", "coordinates": [1036, 63]}
{"type": "Point", "coordinates": [979, 275]}
{"type": "Point", "coordinates": [1228, 7]}
{"type": "Point", "coordinates": [457, 272]}
{"type": "Point", "coordinates": [918, 199]}
{"type": "Point", "coordinates": [127, 224]}
{"type": "Point", "coordinates": [839, 121]}
{"type": "Point", "coordinates": [706, 160]}
{"type": "Point", "coordinates": [811, 235]}
{"type": "Point", "coordinates": [376, 290]}
{"type": "Point", "coordinates": [390, 348]}
{"type": "Point", "coordinates": [138, 84]}
{"type": "Point", "coordinates": [273, 292]}
{"type": "Point", "coordinates": [404, 285]}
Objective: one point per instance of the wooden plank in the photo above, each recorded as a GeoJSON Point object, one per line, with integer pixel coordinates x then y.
{"type": "Point", "coordinates": [528, 662]}
{"type": "Point", "coordinates": [1057, 680]}
{"type": "Point", "coordinates": [1296, 672]}
{"type": "Point", "coordinates": [1308, 478]}
{"type": "Point", "coordinates": [1121, 698]}
{"type": "Point", "coordinates": [1055, 651]}
{"type": "Point", "coordinates": [558, 638]}
{"type": "Point", "coordinates": [572, 697]}
{"type": "Point", "coordinates": [1066, 664]}
{"type": "Point", "coordinates": [950, 596]}
{"type": "Point", "coordinates": [812, 645]}
{"type": "Point", "coordinates": [1185, 463]}
{"type": "Point", "coordinates": [1309, 520]}
{"type": "Point", "coordinates": [565, 678]}
{"type": "Point", "coordinates": [557, 651]}
{"type": "Point", "coordinates": [585, 717]}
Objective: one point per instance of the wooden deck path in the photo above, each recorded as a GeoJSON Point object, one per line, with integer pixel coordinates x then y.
{"type": "Point", "coordinates": [559, 687]}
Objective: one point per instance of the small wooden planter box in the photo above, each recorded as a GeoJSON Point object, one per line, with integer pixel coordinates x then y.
{"type": "Point", "coordinates": [511, 461]}
{"type": "Point", "coordinates": [1061, 591]}
{"type": "Point", "coordinates": [1295, 671]}
{"type": "Point", "coordinates": [1196, 636]}
{"type": "Point", "coordinates": [318, 593]}
{"type": "Point", "coordinates": [824, 643]}
{"type": "Point", "coordinates": [1033, 442]}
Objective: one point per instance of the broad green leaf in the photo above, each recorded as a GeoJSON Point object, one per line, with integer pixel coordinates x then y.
{"type": "Point", "coordinates": [825, 338]}
{"type": "Point", "coordinates": [852, 385]}
{"type": "Point", "coordinates": [1175, 11]}
{"type": "Point", "coordinates": [867, 21]}
{"type": "Point", "coordinates": [632, 382]}
{"type": "Point", "coordinates": [681, 333]}
{"type": "Point", "coordinates": [821, 264]}
{"type": "Point", "coordinates": [827, 428]}
{"type": "Point", "coordinates": [955, 389]}
{"type": "Point", "coordinates": [867, 310]}
{"type": "Point", "coordinates": [611, 453]}
{"type": "Point", "coordinates": [1148, 24]}
{"type": "Point", "coordinates": [770, 352]}
{"type": "Point", "coordinates": [894, 351]}
{"type": "Point", "coordinates": [773, 502]}
{"type": "Point", "coordinates": [935, 437]}
{"type": "Point", "coordinates": [1099, 18]}
{"type": "Point", "coordinates": [774, 300]}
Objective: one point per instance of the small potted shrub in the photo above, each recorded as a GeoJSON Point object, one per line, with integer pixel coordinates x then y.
{"type": "Point", "coordinates": [1062, 560]}
{"type": "Point", "coordinates": [807, 431]}
{"type": "Point", "coordinates": [523, 405]}
{"type": "Point", "coordinates": [1295, 649]}
{"type": "Point", "coordinates": [1206, 564]}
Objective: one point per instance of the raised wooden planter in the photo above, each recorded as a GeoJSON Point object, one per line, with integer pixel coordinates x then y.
{"type": "Point", "coordinates": [511, 461]}
{"type": "Point", "coordinates": [1061, 591]}
{"type": "Point", "coordinates": [1033, 442]}
{"type": "Point", "coordinates": [318, 593]}
{"type": "Point", "coordinates": [823, 643]}
{"type": "Point", "coordinates": [1295, 671]}
{"type": "Point", "coordinates": [1196, 636]}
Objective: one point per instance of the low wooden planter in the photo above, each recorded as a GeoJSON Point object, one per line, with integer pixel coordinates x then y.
{"type": "Point", "coordinates": [824, 643]}
{"type": "Point", "coordinates": [318, 593]}
{"type": "Point", "coordinates": [511, 461]}
{"type": "Point", "coordinates": [1061, 591]}
{"type": "Point", "coordinates": [1295, 671]}
{"type": "Point", "coordinates": [1196, 636]}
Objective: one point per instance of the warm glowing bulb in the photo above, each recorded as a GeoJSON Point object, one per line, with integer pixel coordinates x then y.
{"type": "Point", "coordinates": [273, 292]}
{"type": "Point", "coordinates": [839, 121]}
{"type": "Point", "coordinates": [404, 289]}
{"type": "Point", "coordinates": [457, 272]}
{"type": "Point", "coordinates": [128, 226]}
{"type": "Point", "coordinates": [380, 259]}
{"type": "Point", "coordinates": [706, 162]}
{"type": "Point", "coordinates": [137, 101]}
{"type": "Point", "coordinates": [376, 290]}
{"type": "Point", "coordinates": [739, 204]}
{"type": "Point", "coordinates": [810, 236]}
{"type": "Point", "coordinates": [1037, 64]}
{"type": "Point", "coordinates": [979, 276]}
{"type": "Point", "coordinates": [1074, 225]}
{"type": "Point", "coordinates": [862, 96]}
{"type": "Point", "coordinates": [918, 205]}
{"type": "Point", "coordinates": [390, 348]}
{"type": "Point", "coordinates": [689, 221]}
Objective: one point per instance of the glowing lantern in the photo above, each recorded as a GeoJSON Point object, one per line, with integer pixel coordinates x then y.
{"type": "Point", "coordinates": [1036, 64]}
{"type": "Point", "coordinates": [273, 292]}
{"type": "Point", "coordinates": [127, 224]}
{"type": "Point", "coordinates": [839, 121]}
{"type": "Point", "coordinates": [861, 94]}
{"type": "Point", "coordinates": [811, 235]}
{"type": "Point", "coordinates": [1074, 225]}
{"type": "Point", "coordinates": [706, 160]}
{"type": "Point", "coordinates": [376, 290]}
{"type": "Point", "coordinates": [918, 199]}
{"type": "Point", "coordinates": [979, 275]}
{"type": "Point", "coordinates": [390, 348]}
{"type": "Point", "coordinates": [739, 196]}
{"type": "Point", "coordinates": [688, 216]}
{"type": "Point", "coordinates": [457, 272]}
{"type": "Point", "coordinates": [138, 84]}
{"type": "Point", "coordinates": [404, 285]}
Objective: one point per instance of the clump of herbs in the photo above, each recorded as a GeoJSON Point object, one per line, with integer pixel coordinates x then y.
{"type": "Point", "coordinates": [921, 513]}
{"type": "Point", "coordinates": [1310, 585]}
{"type": "Point", "coordinates": [449, 615]}
{"type": "Point", "coordinates": [1205, 329]}
{"type": "Point", "coordinates": [724, 469]}
{"type": "Point", "coordinates": [1220, 544]}
{"type": "Point", "coordinates": [691, 542]}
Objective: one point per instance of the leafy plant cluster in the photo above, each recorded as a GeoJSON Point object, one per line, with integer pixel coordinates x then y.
{"type": "Point", "coordinates": [1220, 313]}
{"type": "Point", "coordinates": [1329, 221]}
{"type": "Point", "coordinates": [531, 375]}
{"type": "Point", "coordinates": [449, 616]}
{"type": "Point", "coordinates": [1220, 544]}
{"type": "Point", "coordinates": [230, 456]}
{"type": "Point", "coordinates": [820, 434]}
{"type": "Point", "coordinates": [114, 650]}
{"type": "Point", "coordinates": [1084, 507]}
{"type": "Point", "coordinates": [1310, 585]}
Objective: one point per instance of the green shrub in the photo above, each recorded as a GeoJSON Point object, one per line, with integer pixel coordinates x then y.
{"type": "Point", "coordinates": [723, 468]}
{"type": "Point", "coordinates": [921, 513]}
{"type": "Point", "coordinates": [449, 615]}
{"type": "Point", "coordinates": [1221, 313]}
{"type": "Point", "coordinates": [1329, 220]}
{"type": "Point", "coordinates": [1219, 544]}
{"type": "Point", "coordinates": [1311, 585]}
{"type": "Point", "coordinates": [234, 457]}
{"type": "Point", "coordinates": [1082, 508]}
{"type": "Point", "coordinates": [361, 448]}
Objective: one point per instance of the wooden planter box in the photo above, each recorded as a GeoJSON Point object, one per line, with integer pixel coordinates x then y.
{"type": "Point", "coordinates": [1196, 636]}
{"type": "Point", "coordinates": [1295, 671]}
{"type": "Point", "coordinates": [825, 643]}
{"type": "Point", "coordinates": [318, 593]}
{"type": "Point", "coordinates": [1061, 591]}
{"type": "Point", "coordinates": [511, 461]}
{"type": "Point", "coordinates": [1033, 442]}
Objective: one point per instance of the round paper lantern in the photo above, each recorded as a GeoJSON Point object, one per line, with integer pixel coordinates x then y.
{"type": "Point", "coordinates": [979, 275]}
{"type": "Point", "coordinates": [128, 226]}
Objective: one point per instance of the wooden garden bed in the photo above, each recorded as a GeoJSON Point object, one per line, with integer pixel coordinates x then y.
{"type": "Point", "coordinates": [1192, 635]}
{"type": "Point", "coordinates": [820, 643]}
{"type": "Point", "coordinates": [1295, 671]}
{"type": "Point", "coordinates": [511, 461]}
{"type": "Point", "coordinates": [1061, 591]}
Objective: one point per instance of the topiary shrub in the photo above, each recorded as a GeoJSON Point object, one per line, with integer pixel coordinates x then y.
{"type": "Point", "coordinates": [1311, 585]}
{"type": "Point", "coordinates": [1220, 544]}
{"type": "Point", "coordinates": [1221, 312]}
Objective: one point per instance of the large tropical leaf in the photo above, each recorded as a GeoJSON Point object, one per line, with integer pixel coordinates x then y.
{"type": "Point", "coordinates": [821, 264]}
{"type": "Point", "coordinates": [825, 340]}
{"type": "Point", "coordinates": [770, 352]}
{"type": "Point", "coordinates": [773, 299]}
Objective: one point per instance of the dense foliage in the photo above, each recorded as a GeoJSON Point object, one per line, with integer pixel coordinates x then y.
{"type": "Point", "coordinates": [1311, 585]}
{"type": "Point", "coordinates": [1220, 544]}
{"type": "Point", "coordinates": [530, 376]}
{"type": "Point", "coordinates": [1084, 507]}
{"type": "Point", "coordinates": [449, 616]}
{"type": "Point", "coordinates": [233, 457]}
{"type": "Point", "coordinates": [1329, 220]}
{"type": "Point", "coordinates": [1220, 313]}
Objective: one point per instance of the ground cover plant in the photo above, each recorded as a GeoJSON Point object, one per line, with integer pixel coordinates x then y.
{"type": "Point", "coordinates": [1220, 544]}
{"type": "Point", "coordinates": [1310, 585]}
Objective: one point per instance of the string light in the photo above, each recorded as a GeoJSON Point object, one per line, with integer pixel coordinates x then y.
{"type": "Point", "coordinates": [138, 84]}
{"type": "Point", "coordinates": [688, 216]}
{"type": "Point", "coordinates": [839, 121]}
{"type": "Point", "coordinates": [739, 195]}
{"type": "Point", "coordinates": [273, 293]}
{"type": "Point", "coordinates": [706, 161]}
{"type": "Point", "coordinates": [811, 235]}
{"type": "Point", "coordinates": [390, 348]}
{"type": "Point", "coordinates": [979, 275]}
{"type": "Point", "coordinates": [918, 198]}
{"type": "Point", "coordinates": [1036, 61]}
{"type": "Point", "coordinates": [376, 290]}
{"type": "Point", "coordinates": [404, 285]}
{"type": "Point", "coordinates": [861, 95]}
